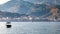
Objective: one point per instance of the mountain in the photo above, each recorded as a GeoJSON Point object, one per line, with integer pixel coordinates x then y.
{"type": "Point", "coordinates": [9, 14]}
{"type": "Point", "coordinates": [26, 7]}
{"type": "Point", "coordinates": [20, 6]}
{"type": "Point", "coordinates": [40, 10]}
{"type": "Point", "coordinates": [36, 1]}
{"type": "Point", "coordinates": [16, 6]}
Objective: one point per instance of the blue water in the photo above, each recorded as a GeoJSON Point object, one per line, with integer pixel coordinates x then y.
{"type": "Point", "coordinates": [31, 28]}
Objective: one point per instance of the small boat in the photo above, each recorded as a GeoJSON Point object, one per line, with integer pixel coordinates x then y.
{"type": "Point", "coordinates": [8, 24]}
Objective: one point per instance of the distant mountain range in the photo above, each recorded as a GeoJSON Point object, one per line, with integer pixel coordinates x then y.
{"type": "Point", "coordinates": [12, 15]}
{"type": "Point", "coordinates": [17, 8]}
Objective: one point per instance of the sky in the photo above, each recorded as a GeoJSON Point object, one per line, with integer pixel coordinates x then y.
{"type": "Point", "coordinates": [3, 1]}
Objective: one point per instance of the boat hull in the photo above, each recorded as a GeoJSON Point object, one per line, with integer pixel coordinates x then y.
{"type": "Point", "coordinates": [8, 26]}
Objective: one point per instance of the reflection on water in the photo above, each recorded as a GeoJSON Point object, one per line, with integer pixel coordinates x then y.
{"type": "Point", "coordinates": [31, 28]}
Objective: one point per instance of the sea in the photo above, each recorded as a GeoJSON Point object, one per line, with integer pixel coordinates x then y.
{"type": "Point", "coordinates": [30, 28]}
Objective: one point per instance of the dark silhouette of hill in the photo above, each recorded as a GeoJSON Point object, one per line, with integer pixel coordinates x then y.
{"type": "Point", "coordinates": [9, 14]}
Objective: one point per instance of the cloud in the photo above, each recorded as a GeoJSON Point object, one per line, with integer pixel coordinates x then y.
{"type": "Point", "coordinates": [3, 1]}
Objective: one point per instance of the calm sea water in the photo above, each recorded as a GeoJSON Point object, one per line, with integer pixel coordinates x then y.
{"type": "Point", "coordinates": [30, 28]}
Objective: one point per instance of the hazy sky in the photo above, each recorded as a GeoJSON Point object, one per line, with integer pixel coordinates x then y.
{"type": "Point", "coordinates": [3, 1]}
